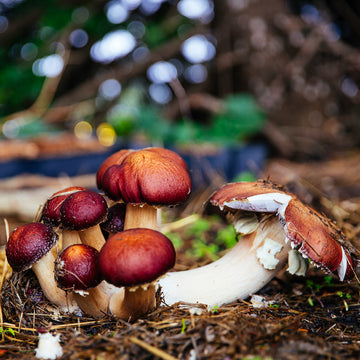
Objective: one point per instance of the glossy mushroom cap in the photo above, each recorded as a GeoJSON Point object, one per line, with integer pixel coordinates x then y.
{"type": "Point", "coordinates": [51, 210]}
{"type": "Point", "coordinates": [28, 244]}
{"type": "Point", "coordinates": [76, 268]}
{"type": "Point", "coordinates": [115, 219]}
{"type": "Point", "coordinates": [135, 257]}
{"type": "Point", "coordinates": [82, 210]}
{"type": "Point", "coordinates": [154, 176]}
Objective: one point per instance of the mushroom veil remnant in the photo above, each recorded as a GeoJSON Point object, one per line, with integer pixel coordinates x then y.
{"type": "Point", "coordinates": [275, 226]}
{"type": "Point", "coordinates": [145, 180]}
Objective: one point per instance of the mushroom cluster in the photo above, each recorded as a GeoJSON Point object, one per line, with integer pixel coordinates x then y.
{"type": "Point", "coordinates": [85, 271]}
{"type": "Point", "coordinates": [113, 258]}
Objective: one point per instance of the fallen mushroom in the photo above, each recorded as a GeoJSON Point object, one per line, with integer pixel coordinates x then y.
{"type": "Point", "coordinates": [145, 180]}
{"type": "Point", "coordinates": [77, 271]}
{"type": "Point", "coordinates": [274, 223]}
{"type": "Point", "coordinates": [29, 246]}
{"type": "Point", "coordinates": [135, 259]}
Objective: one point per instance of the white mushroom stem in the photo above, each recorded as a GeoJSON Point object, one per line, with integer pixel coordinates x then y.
{"type": "Point", "coordinates": [92, 236]}
{"type": "Point", "coordinates": [44, 271]}
{"type": "Point", "coordinates": [142, 216]}
{"type": "Point", "coordinates": [131, 303]}
{"type": "Point", "coordinates": [237, 275]}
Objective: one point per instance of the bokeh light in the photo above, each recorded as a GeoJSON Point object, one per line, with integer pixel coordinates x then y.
{"type": "Point", "coordinates": [106, 134]}
{"type": "Point", "coordinates": [198, 49]}
{"type": "Point", "coordinates": [49, 66]}
{"type": "Point", "coordinates": [78, 38]}
{"type": "Point", "coordinates": [114, 45]}
{"type": "Point", "coordinates": [161, 72]}
{"type": "Point", "coordinates": [110, 89]}
{"type": "Point", "coordinates": [83, 130]}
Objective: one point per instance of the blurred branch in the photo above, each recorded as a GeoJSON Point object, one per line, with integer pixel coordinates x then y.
{"type": "Point", "coordinates": [46, 96]}
{"type": "Point", "coordinates": [122, 72]}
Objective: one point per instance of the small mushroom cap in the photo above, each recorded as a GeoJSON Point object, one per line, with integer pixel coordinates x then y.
{"type": "Point", "coordinates": [154, 176]}
{"type": "Point", "coordinates": [82, 210]}
{"type": "Point", "coordinates": [28, 244]}
{"type": "Point", "coordinates": [115, 219]}
{"type": "Point", "coordinates": [135, 257]}
{"type": "Point", "coordinates": [51, 211]}
{"type": "Point", "coordinates": [77, 268]}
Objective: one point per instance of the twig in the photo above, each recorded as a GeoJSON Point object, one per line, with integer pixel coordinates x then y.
{"type": "Point", "coordinates": [3, 277]}
{"type": "Point", "coordinates": [151, 349]}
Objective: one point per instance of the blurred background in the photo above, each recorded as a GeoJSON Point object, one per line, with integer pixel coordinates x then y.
{"type": "Point", "coordinates": [242, 89]}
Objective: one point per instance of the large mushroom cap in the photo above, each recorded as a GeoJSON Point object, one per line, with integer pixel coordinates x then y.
{"type": "Point", "coordinates": [154, 176]}
{"type": "Point", "coordinates": [135, 257]}
{"type": "Point", "coordinates": [51, 211]}
{"type": "Point", "coordinates": [28, 244]}
{"type": "Point", "coordinates": [76, 268]}
{"type": "Point", "coordinates": [82, 210]}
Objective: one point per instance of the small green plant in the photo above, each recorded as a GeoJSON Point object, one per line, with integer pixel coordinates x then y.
{"type": "Point", "coordinates": [215, 309]}
{"type": "Point", "coordinates": [226, 237]}
{"type": "Point", "coordinates": [183, 327]}
{"type": "Point", "coordinates": [8, 331]}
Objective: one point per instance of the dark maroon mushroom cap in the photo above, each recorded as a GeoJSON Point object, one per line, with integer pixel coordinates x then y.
{"type": "Point", "coordinates": [115, 219]}
{"type": "Point", "coordinates": [154, 176]}
{"type": "Point", "coordinates": [51, 211]}
{"type": "Point", "coordinates": [82, 210]}
{"type": "Point", "coordinates": [28, 244]}
{"type": "Point", "coordinates": [77, 268]}
{"type": "Point", "coordinates": [135, 257]}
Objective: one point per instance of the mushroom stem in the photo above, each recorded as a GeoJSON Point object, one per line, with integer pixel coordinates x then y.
{"type": "Point", "coordinates": [142, 216]}
{"type": "Point", "coordinates": [70, 237]}
{"type": "Point", "coordinates": [44, 271]}
{"type": "Point", "coordinates": [237, 274]}
{"type": "Point", "coordinates": [94, 301]}
{"type": "Point", "coordinates": [132, 303]}
{"type": "Point", "coordinates": [92, 236]}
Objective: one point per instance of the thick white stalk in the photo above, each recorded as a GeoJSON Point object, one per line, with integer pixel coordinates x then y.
{"type": "Point", "coordinates": [236, 275]}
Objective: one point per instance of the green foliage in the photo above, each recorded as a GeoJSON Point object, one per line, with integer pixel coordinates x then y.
{"type": "Point", "coordinates": [240, 119]}
{"type": "Point", "coordinates": [8, 331]}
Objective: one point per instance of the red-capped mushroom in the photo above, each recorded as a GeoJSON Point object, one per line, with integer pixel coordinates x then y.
{"type": "Point", "coordinates": [77, 271]}
{"type": "Point", "coordinates": [83, 211]}
{"type": "Point", "coordinates": [145, 180]}
{"type": "Point", "coordinates": [135, 259]}
{"type": "Point", "coordinates": [275, 225]}
{"type": "Point", "coordinates": [30, 246]}
{"type": "Point", "coordinates": [50, 214]}
{"type": "Point", "coordinates": [114, 222]}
